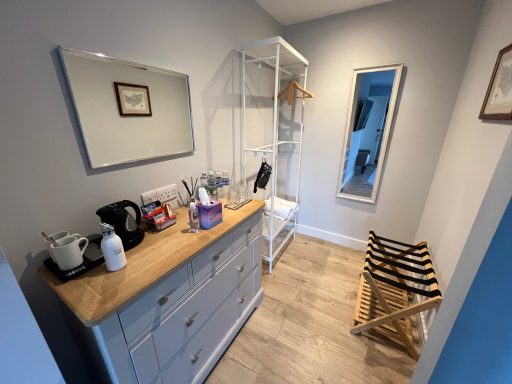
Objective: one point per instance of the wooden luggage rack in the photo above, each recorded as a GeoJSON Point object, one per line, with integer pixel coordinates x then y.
{"type": "Point", "coordinates": [393, 273]}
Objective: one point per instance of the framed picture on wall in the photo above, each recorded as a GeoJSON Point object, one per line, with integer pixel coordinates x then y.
{"type": "Point", "coordinates": [133, 99]}
{"type": "Point", "coordinates": [498, 99]}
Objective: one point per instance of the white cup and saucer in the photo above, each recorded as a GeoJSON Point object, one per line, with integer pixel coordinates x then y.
{"type": "Point", "coordinates": [70, 250]}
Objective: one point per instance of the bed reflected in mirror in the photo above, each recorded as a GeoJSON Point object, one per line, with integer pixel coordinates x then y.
{"type": "Point", "coordinates": [372, 104]}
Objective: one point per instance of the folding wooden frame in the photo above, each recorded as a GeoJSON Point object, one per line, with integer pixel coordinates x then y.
{"type": "Point", "coordinates": [393, 273]}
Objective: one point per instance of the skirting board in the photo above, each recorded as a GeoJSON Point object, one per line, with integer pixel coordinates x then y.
{"type": "Point", "coordinates": [332, 237]}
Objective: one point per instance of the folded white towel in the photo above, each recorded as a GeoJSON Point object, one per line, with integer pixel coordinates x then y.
{"type": "Point", "coordinates": [282, 208]}
{"type": "Point", "coordinates": [278, 200]}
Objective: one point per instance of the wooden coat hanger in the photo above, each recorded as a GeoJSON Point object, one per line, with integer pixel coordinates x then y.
{"type": "Point", "coordinates": [293, 85]}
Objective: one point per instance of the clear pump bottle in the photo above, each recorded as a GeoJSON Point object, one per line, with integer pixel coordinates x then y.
{"type": "Point", "coordinates": [112, 248]}
{"type": "Point", "coordinates": [193, 216]}
{"type": "Point", "coordinates": [203, 181]}
{"type": "Point", "coordinates": [225, 178]}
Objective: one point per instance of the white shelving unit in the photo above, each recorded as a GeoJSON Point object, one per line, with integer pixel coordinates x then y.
{"type": "Point", "coordinates": [289, 64]}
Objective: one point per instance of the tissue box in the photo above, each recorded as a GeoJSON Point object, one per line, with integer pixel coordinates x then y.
{"type": "Point", "coordinates": [210, 215]}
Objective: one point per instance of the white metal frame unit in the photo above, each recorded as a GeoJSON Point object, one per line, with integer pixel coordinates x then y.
{"type": "Point", "coordinates": [278, 54]}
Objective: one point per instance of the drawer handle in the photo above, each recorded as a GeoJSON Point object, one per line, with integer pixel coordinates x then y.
{"type": "Point", "coordinates": [249, 230]}
{"type": "Point", "coordinates": [241, 268]}
{"type": "Point", "coordinates": [195, 357]}
{"type": "Point", "coordinates": [216, 257]}
{"type": "Point", "coordinates": [190, 321]}
{"type": "Point", "coordinates": [164, 299]}
{"type": "Point", "coordinates": [241, 300]}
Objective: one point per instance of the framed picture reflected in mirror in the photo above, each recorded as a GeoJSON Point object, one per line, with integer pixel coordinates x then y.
{"type": "Point", "coordinates": [133, 99]}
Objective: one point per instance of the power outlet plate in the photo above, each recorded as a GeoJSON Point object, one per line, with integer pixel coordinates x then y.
{"type": "Point", "coordinates": [164, 194]}
{"type": "Point", "coordinates": [167, 193]}
{"type": "Point", "coordinates": [173, 191]}
{"type": "Point", "coordinates": [148, 197]}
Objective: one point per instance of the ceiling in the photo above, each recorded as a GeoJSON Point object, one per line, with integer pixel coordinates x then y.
{"type": "Point", "coordinates": [288, 12]}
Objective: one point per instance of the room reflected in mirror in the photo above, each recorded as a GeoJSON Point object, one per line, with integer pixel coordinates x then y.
{"type": "Point", "coordinates": [128, 111]}
{"type": "Point", "coordinates": [371, 111]}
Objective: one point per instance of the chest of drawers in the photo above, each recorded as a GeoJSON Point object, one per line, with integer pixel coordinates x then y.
{"type": "Point", "coordinates": [176, 330]}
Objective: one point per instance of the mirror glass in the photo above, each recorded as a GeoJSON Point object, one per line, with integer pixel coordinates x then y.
{"type": "Point", "coordinates": [372, 104]}
{"type": "Point", "coordinates": [128, 111]}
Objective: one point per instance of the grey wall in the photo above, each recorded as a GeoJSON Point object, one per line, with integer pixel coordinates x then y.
{"type": "Point", "coordinates": [432, 39]}
{"type": "Point", "coordinates": [258, 120]}
{"type": "Point", "coordinates": [470, 152]}
{"type": "Point", "coordinates": [45, 184]}
{"type": "Point", "coordinates": [22, 341]}
{"type": "Point", "coordinates": [472, 184]}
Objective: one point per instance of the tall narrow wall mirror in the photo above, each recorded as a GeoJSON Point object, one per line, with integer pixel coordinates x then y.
{"type": "Point", "coordinates": [128, 111]}
{"type": "Point", "coordinates": [372, 105]}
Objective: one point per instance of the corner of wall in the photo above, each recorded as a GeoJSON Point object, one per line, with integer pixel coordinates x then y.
{"type": "Point", "coordinates": [494, 204]}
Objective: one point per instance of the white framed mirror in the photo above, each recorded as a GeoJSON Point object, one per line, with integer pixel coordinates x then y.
{"type": "Point", "coordinates": [128, 111]}
{"type": "Point", "coordinates": [370, 115]}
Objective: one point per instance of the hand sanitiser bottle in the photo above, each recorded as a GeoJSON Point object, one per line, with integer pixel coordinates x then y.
{"type": "Point", "coordinates": [193, 216]}
{"type": "Point", "coordinates": [112, 248]}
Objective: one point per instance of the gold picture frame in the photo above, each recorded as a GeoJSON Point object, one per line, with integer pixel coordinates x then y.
{"type": "Point", "coordinates": [498, 99]}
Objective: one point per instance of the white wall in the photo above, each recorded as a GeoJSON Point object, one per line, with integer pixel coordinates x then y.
{"type": "Point", "coordinates": [435, 57]}
{"type": "Point", "coordinates": [45, 184]}
{"type": "Point", "coordinates": [355, 145]}
{"type": "Point", "coordinates": [472, 183]}
{"type": "Point", "coordinates": [375, 120]}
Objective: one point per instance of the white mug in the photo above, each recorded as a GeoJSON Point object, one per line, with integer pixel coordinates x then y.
{"type": "Point", "coordinates": [69, 253]}
{"type": "Point", "coordinates": [59, 236]}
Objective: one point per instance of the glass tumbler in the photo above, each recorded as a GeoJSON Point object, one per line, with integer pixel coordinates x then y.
{"type": "Point", "coordinates": [233, 196]}
{"type": "Point", "coordinates": [242, 194]}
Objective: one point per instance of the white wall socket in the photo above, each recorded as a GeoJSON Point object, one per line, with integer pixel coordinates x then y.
{"type": "Point", "coordinates": [168, 192]}
{"type": "Point", "coordinates": [148, 197]}
{"type": "Point", "coordinates": [164, 194]}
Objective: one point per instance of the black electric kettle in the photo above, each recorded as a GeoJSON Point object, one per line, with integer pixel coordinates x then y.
{"type": "Point", "coordinates": [125, 225]}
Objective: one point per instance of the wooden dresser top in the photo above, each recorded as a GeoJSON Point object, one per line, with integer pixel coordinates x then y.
{"type": "Point", "coordinates": [98, 293]}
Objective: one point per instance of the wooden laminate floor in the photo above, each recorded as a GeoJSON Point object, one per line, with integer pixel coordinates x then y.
{"type": "Point", "coordinates": [301, 331]}
{"type": "Point", "coordinates": [358, 183]}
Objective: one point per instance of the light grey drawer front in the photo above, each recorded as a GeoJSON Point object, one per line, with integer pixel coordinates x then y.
{"type": "Point", "coordinates": [145, 361]}
{"type": "Point", "coordinates": [256, 256]}
{"type": "Point", "coordinates": [153, 304]}
{"type": "Point", "coordinates": [210, 259]}
{"type": "Point", "coordinates": [242, 263]}
{"type": "Point", "coordinates": [256, 279]}
{"type": "Point", "coordinates": [186, 320]}
{"type": "Point", "coordinates": [246, 231]}
{"type": "Point", "coordinates": [244, 294]}
{"type": "Point", "coordinates": [188, 361]}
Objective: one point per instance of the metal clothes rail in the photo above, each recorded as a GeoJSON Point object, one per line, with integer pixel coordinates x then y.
{"type": "Point", "coordinates": [276, 53]}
